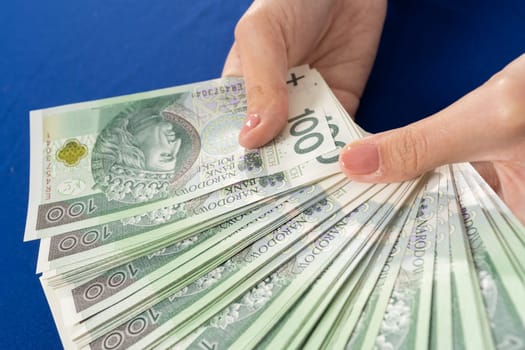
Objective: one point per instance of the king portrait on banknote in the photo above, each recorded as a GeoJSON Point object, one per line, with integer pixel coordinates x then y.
{"type": "Point", "coordinates": [142, 151]}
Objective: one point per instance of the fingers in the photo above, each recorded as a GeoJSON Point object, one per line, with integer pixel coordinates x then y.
{"type": "Point", "coordinates": [260, 48]}
{"type": "Point", "coordinates": [478, 127]}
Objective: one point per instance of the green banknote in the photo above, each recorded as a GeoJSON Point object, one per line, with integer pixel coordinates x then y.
{"type": "Point", "coordinates": [71, 248]}
{"type": "Point", "coordinates": [406, 323]}
{"type": "Point", "coordinates": [99, 158]}
{"type": "Point", "coordinates": [500, 284]}
{"type": "Point", "coordinates": [323, 313]}
{"type": "Point", "coordinates": [509, 238]}
{"type": "Point", "coordinates": [498, 206]}
{"type": "Point", "coordinates": [363, 336]}
{"type": "Point", "coordinates": [305, 268]}
{"type": "Point", "coordinates": [144, 297]}
{"type": "Point", "coordinates": [469, 316]}
{"type": "Point", "coordinates": [223, 275]}
{"type": "Point", "coordinates": [267, 252]}
{"type": "Point", "coordinates": [441, 320]}
{"type": "Point", "coordinates": [350, 307]}
{"type": "Point", "coordinates": [172, 263]}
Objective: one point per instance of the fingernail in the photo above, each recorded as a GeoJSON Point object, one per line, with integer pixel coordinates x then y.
{"type": "Point", "coordinates": [251, 122]}
{"type": "Point", "coordinates": [360, 159]}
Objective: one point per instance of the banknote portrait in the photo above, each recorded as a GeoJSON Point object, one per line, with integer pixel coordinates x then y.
{"type": "Point", "coordinates": [142, 152]}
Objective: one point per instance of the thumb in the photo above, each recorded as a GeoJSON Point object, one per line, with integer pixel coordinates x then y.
{"type": "Point", "coordinates": [481, 126]}
{"type": "Point", "coordinates": [261, 49]}
{"type": "Point", "coordinates": [392, 156]}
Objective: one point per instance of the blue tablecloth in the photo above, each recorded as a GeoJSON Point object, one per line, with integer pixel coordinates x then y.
{"type": "Point", "coordinates": [57, 52]}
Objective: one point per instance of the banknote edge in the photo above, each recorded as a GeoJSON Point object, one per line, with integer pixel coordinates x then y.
{"type": "Point", "coordinates": [35, 164]}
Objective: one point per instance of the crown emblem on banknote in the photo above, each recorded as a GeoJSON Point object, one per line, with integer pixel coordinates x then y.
{"type": "Point", "coordinates": [144, 152]}
{"type": "Point", "coordinates": [72, 152]}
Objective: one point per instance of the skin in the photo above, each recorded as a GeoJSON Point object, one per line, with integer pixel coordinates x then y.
{"type": "Point", "coordinates": [160, 146]}
{"type": "Point", "coordinates": [340, 39]}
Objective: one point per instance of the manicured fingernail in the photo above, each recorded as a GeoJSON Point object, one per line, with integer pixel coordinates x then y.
{"type": "Point", "coordinates": [251, 122]}
{"type": "Point", "coordinates": [360, 159]}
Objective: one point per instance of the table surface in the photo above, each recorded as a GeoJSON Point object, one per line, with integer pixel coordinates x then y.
{"type": "Point", "coordinates": [58, 52]}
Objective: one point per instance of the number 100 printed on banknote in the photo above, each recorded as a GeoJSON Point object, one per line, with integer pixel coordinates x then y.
{"type": "Point", "coordinates": [97, 160]}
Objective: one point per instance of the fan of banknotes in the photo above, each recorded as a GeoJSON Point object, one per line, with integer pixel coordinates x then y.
{"type": "Point", "coordinates": [157, 230]}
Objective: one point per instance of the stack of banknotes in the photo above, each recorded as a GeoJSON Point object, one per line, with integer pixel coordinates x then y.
{"type": "Point", "coordinates": [157, 230]}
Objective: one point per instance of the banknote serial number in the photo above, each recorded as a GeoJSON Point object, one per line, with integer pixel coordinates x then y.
{"type": "Point", "coordinates": [218, 90]}
{"type": "Point", "coordinates": [48, 168]}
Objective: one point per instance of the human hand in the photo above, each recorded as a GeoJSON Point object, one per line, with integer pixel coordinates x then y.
{"type": "Point", "coordinates": [485, 127]}
{"type": "Point", "coordinates": [337, 37]}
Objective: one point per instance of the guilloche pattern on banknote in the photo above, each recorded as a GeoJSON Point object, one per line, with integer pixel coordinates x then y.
{"type": "Point", "coordinates": [92, 291]}
{"type": "Point", "coordinates": [187, 296]}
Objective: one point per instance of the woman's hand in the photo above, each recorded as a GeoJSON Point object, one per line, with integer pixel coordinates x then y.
{"type": "Point", "coordinates": [340, 38]}
{"type": "Point", "coordinates": [337, 37]}
{"type": "Point", "coordinates": [485, 127]}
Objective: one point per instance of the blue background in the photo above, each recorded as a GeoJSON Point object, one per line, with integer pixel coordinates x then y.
{"type": "Point", "coordinates": [58, 52]}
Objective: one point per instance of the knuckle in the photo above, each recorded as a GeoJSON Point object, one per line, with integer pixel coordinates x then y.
{"type": "Point", "coordinates": [407, 153]}
{"type": "Point", "coordinates": [257, 16]}
{"type": "Point", "coordinates": [264, 18]}
{"type": "Point", "coordinates": [244, 25]}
